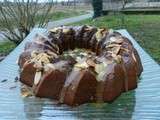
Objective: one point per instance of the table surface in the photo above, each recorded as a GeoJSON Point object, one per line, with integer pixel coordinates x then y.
{"type": "Point", "coordinates": [142, 103]}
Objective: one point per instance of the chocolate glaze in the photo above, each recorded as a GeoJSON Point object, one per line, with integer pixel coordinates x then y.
{"type": "Point", "coordinates": [28, 73]}
{"type": "Point", "coordinates": [138, 62]}
{"type": "Point", "coordinates": [26, 55]}
{"type": "Point", "coordinates": [53, 80]}
{"type": "Point", "coordinates": [50, 84]}
{"type": "Point", "coordinates": [131, 72]}
{"type": "Point", "coordinates": [79, 88]}
{"type": "Point", "coordinates": [113, 82]}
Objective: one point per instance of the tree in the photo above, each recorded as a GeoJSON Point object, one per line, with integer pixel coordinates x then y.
{"type": "Point", "coordinates": [97, 7]}
{"type": "Point", "coordinates": [87, 2]}
{"type": "Point", "coordinates": [18, 18]}
{"type": "Point", "coordinates": [124, 2]}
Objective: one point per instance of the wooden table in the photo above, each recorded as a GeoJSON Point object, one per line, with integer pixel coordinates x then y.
{"type": "Point", "coordinates": [140, 104]}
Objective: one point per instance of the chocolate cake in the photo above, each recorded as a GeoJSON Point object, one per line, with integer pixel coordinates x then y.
{"type": "Point", "coordinates": [80, 64]}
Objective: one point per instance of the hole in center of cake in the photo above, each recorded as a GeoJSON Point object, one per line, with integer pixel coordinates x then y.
{"type": "Point", "coordinates": [83, 58]}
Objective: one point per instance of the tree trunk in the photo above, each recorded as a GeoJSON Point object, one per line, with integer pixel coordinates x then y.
{"type": "Point", "coordinates": [97, 7]}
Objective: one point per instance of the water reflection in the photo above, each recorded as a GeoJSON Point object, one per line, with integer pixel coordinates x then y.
{"type": "Point", "coordinates": [33, 107]}
{"type": "Point", "coordinates": [123, 107]}
{"type": "Point", "coordinates": [44, 109]}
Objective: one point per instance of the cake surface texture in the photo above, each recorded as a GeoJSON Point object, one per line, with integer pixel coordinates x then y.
{"type": "Point", "coordinates": [80, 64]}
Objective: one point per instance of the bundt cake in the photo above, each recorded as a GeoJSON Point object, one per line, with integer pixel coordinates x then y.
{"type": "Point", "coordinates": [80, 64]}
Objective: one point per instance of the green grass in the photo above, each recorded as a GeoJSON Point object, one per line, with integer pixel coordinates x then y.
{"type": "Point", "coordinates": [144, 28]}
{"type": "Point", "coordinates": [6, 47]}
{"type": "Point", "coordinates": [66, 14]}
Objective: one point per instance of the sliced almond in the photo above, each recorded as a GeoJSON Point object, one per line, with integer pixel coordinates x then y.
{"type": "Point", "coordinates": [66, 30]}
{"type": "Point", "coordinates": [52, 54]}
{"type": "Point", "coordinates": [116, 40]}
{"type": "Point", "coordinates": [113, 39]}
{"type": "Point", "coordinates": [83, 53]}
{"type": "Point", "coordinates": [100, 34]}
{"type": "Point", "coordinates": [119, 40]}
{"type": "Point", "coordinates": [112, 45]}
{"type": "Point", "coordinates": [37, 77]}
{"type": "Point", "coordinates": [38, 41]}
{"type": "Point", "coordinates": [114, 55]}
{"type": "Point", "coordinates": [41, 58]}
{"type": "Point", "coordinates": [38, 66]}
{"type": "Point", "coordinates": [125, 49]}
{"type": "Point", "coordinates": [88, 28]}
{"type": "Point", "coordinates": [90, 62]}
{"type": "Point", "coordinates": [71, 54]}
{"type": "Point", "coordinates": [55, 30]}
{"type": "Point", "coordinates": [81, 65]}
{"type": "Point", "coordinates": [118, 59]}
{"type": "Point", "coordinates": [56, 46]}
{"type": "Point", "coordinates": [45, 59]}
{"type": "Point", "coordinates": [134, 58]}
{"type": "Point", "coordinates": [116, 50]}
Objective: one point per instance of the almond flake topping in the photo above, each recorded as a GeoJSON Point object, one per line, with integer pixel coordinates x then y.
{"type": "Point", "coordinates": [82, 65]}
{"type": "Point", "coordinates": [100, 34]}
{"type": "Point", "coordinates": [41, 58]}
{"type": "Point", "coordinates": [37, 77]}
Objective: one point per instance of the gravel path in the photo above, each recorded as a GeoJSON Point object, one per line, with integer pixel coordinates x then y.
{"type": "Point", "coordinates": [69, 20]}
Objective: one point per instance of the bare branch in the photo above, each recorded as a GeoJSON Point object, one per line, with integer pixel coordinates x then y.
{"type": "Point", "coordinates": [20, 17]}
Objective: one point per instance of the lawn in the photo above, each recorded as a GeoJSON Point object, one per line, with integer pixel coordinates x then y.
{"type": "Point", "coordinates": [6, 47]}
{"type": "Point", "coordinates": [144, 28]}
{"type": "Point", "coordinates": [66, 14]}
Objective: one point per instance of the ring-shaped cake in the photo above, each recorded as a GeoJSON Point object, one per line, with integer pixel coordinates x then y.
{"type": "Point", "coordinates": [80, 64]}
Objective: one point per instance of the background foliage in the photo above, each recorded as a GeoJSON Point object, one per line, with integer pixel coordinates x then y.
{"type": "Point", "coordinates": [20, 17]}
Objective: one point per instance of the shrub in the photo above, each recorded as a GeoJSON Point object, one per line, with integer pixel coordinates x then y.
{"type": "Point", "coordinates": [18, 18]}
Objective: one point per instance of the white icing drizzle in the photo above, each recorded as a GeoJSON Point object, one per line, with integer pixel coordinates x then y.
{"type": "Point", "coordinates": [99, 91]}
{"type": "Point", "coordinates": [82, 65]}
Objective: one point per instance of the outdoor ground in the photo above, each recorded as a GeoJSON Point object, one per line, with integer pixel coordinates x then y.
{"type": "Point", "coordinates": [144, 28]}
